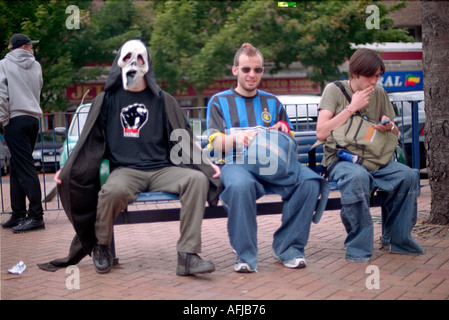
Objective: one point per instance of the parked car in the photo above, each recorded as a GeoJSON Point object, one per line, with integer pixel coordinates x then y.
{"type": "Point", "coordinates": [302, 110]}
{"type": "Point", "coordinates": [402, 104]}
{"type": "Point", "coordinates": [75, 128]}
{"type": "Point", "coordinates": [5, 156]}
{"type": "Point", "coordinates": [47, 150]}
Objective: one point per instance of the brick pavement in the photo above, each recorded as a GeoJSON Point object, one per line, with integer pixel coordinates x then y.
{"type": "Point", "coordinates": [147, 265]}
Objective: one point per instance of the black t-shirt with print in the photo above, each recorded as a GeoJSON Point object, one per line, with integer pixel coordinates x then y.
{"type": "Point", "coordinates": [136, 133]}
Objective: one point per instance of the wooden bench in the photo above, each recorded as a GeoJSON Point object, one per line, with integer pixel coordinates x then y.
{"type": "Point", "coordinates": [269, 205]}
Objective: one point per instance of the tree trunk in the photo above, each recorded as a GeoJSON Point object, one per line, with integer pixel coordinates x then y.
{"type": "Point", "coordinates": [435, 26]}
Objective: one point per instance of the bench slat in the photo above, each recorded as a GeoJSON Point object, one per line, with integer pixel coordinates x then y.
{"type": "Point", "coordinates": [156, 196]}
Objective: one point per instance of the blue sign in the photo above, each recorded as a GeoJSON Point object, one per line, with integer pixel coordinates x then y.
{"type": "Point", "coordinates": [394, 81]}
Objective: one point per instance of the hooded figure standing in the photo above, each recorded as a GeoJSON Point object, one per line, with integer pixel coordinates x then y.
{"type": "Point", "coordinates": [20, 111]}
{"type": "Point", "coordinates": [130, 124]}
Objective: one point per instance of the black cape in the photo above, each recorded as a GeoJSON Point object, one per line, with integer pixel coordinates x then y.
{"type": "Point", "coordinates": [80, 175]}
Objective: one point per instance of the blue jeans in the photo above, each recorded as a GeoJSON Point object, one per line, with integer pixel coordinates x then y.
{"type": "Point", "coordinates": [400, 188]}
{"type": "Point", "coordinates": [299, 188]}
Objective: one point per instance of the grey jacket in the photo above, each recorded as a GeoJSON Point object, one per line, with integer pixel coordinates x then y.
{"type": "Point", "coordinates": [20, 85]}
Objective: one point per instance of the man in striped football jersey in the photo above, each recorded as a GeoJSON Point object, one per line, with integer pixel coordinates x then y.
{"type": "Point", "coordinates": [238, 120]}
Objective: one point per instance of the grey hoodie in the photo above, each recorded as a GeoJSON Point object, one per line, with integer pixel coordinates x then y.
{"type": "Point", "coordinates": [20, 85]}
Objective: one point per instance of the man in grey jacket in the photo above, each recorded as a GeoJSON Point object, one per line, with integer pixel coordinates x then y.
{"type": "Point", "coordinates": [20, 87]}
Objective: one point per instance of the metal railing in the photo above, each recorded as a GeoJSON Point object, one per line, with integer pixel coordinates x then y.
{"type": "Point", "coordinates": [411, 122]}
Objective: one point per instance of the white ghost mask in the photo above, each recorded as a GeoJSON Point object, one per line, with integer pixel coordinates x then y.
{"type": "Point", "coordinates": [134, 63]}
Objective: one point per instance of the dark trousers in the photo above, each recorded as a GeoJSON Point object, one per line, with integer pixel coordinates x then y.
{"type": "Point", "coordinates": [20, 136]}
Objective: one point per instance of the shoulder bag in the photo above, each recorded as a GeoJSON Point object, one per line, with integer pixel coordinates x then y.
{"type": "Point", "coordinates": [359, 137]}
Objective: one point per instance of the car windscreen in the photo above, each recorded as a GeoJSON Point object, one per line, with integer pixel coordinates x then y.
{"type": "Point", "coordinates": [79, 121]}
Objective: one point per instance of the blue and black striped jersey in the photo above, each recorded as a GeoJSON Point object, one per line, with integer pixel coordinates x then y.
{"type": "Point", "coordinates": [228, 109]}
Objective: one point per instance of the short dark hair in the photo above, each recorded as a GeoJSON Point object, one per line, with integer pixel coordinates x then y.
{"type": "Point", "coordinates": [247, 49]}
{"type": "Point", "coordinates": [365, 62]}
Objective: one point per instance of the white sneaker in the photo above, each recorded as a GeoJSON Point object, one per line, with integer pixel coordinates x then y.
{"type": "Point", "coordinates": [243, 267]}
{"type": "Point", "coordinates": [296, 263]}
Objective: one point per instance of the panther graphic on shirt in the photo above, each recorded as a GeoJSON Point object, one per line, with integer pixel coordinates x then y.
{"type": "Point", "coordinates": [133, 118]}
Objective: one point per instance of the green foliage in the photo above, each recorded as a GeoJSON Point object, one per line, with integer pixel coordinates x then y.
{"type": "Point", "coordinates": [179, 42]}
{"type": "Point", "coordinates": [54, 50]}
{"type": "Point", "coordinates": [325, 40]}
{"type": "Point", "coordinates": [64, 52]}
{"type": "Point", "coordinates": [192, 42]}
{"type": "Point", "coordinates": [12, 14]}
{"type": "Point", "coordinates": [195, 42]}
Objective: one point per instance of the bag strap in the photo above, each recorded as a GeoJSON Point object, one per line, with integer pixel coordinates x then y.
{"type": "Point", "coordinates": [342, 88]}
{"type": "Point", "coordinates": [345, 93]}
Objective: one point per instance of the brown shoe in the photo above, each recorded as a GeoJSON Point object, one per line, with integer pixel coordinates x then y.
{"type": "Point", "coordinates": [191, 263]}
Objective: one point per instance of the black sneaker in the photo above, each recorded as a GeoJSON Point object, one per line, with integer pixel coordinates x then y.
{"type": "Point", "coordinates": [102, 258]}
{"type": "Point", "coordinates": [191, 263]}
{"type": "Point", "coordinates": [29, 224]}
{"type": "Point", "coordinates": [12, 222]}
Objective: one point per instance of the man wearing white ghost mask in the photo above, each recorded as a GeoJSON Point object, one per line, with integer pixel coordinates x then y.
{"type": "Point", "coordinates": [130, 125]}
{"type": "Point", "coordinates": [134, 63]}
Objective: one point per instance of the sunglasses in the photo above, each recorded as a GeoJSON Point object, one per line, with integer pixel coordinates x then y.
{"type": "Point", "coordinates": [248, 69]}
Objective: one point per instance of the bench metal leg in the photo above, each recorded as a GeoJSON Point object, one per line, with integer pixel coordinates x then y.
{"type": "Point", "coordinates": [113, 248]}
